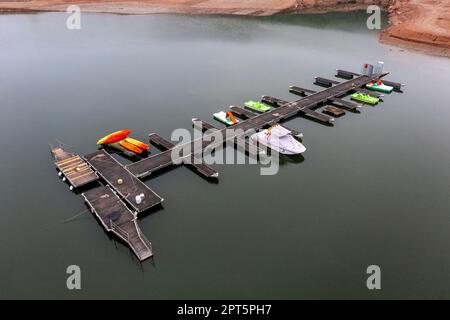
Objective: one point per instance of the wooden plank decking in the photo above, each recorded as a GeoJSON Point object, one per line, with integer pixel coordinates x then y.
{"type": "Point", "coordinates": [203, 169]}
{"type": "Point", "coordinates": [302, 92]}
{"type": "Point", "coordinates": [243, 113]}
{"type": "Point", "coordinates": [337, 112]}
{"type": "Point", "coordinates": [239, 142]}
{"type": "Point", "coordinates": [116, 205]}
{"type": "Point", "coordinates": [118, 219]}
{"type": "Point", "coordinates": [122, 181]}
{"type": "Point", "coordinates": [73, 168]}
{"type": "Point", "coordinates": [284, 111]}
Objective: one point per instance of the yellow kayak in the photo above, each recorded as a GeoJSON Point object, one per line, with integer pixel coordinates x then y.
{"type": "Point", "coordinates": [137, 143]}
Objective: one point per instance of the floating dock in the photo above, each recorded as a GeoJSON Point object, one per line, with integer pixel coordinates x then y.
{"type": "Point", "coordinates": [117, 218]}
{"type": "Point", "coordinates": [337, 112]}
{"type": "Point", "coordinates": [283, 110]}
{"type": "Point", "coordinates": [127, 185]}
{"type": "Point", "coordinates": [72, 168]}
{"type": "Point", "coordinates": [123, 195]}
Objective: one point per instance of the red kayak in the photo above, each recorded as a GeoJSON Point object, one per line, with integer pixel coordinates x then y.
{"type": "Point", "coordinates": [114, 137]}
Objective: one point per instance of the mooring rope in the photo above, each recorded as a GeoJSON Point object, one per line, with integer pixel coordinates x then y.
{"type": "Point", "coordinates": [62, 144]}
{"type": "Point", "coordinates": [78, 214]}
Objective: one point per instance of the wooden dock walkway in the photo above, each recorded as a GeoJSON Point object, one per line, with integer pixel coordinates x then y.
{"type": "Point", "coordinates": [124, 195]}
{"type": "Point", "coordinates": [284, 111]}
{"type": "Point", "coordinates": [239, 142]}
{"type": "Point", "coordinates": [303, 93]}
{"type": "Point", "coordinates": [122, 181]}
{"type": "Point", "coordinates": [242, 113]}
{"type": "Point", "coordinates": [118, 219]}
{"type": "Point", "coordinates": [201, 168]}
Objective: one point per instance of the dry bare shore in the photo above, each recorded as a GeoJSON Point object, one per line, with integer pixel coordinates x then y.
{"type": "Point", "coordinates": [417, 24]}
{"type": "Point", "coordinates": [420, 24]}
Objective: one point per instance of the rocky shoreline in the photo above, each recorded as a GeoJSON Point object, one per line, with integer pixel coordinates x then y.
{"type": "Point", "coordinates": [417, 24]}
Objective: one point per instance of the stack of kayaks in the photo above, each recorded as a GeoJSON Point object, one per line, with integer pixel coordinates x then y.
{"type": "Point", "coordinates": [257, 106]}
{"type": "Point", "coordinates": [365, 98]}
{"type": "Point", "coordinates": [119, 140]}
{"type": "Point", "coordinates": [225, 117]}
{"type": "Point", "coordinates": [378, 85]}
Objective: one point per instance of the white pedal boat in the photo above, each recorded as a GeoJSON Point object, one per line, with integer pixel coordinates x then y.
{"type": "Point", "coordinates": [225, 117]}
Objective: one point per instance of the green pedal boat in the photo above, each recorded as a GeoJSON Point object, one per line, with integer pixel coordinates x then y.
{"type": "Point", "coordinates": [378, 85]}
{"type": "Point", "coordinates": [365, 98]}
{"type": "Point", "coordinates": [257, 106]}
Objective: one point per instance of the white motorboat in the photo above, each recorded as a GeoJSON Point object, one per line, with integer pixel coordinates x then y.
{"type": "Point", "coordinates": [280, 139]}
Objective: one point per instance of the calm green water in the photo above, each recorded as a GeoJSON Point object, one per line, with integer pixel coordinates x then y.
{"type": "Point", "coordinates": [373, 189]}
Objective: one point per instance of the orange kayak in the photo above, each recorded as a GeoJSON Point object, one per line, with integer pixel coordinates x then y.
{"type": "Point", "coordinates": [130, 146]}
{"type": "Point", "coordinates": [114, 137]}
{"type": "Point", "coordinates": [137, 143]}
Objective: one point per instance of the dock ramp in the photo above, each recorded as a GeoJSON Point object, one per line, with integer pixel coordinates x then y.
{"type": "Point", "coordinates": [118, 219]}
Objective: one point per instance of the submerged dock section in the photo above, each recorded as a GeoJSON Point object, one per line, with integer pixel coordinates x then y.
{"type": "Point", "coordinates": [122, 195]}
